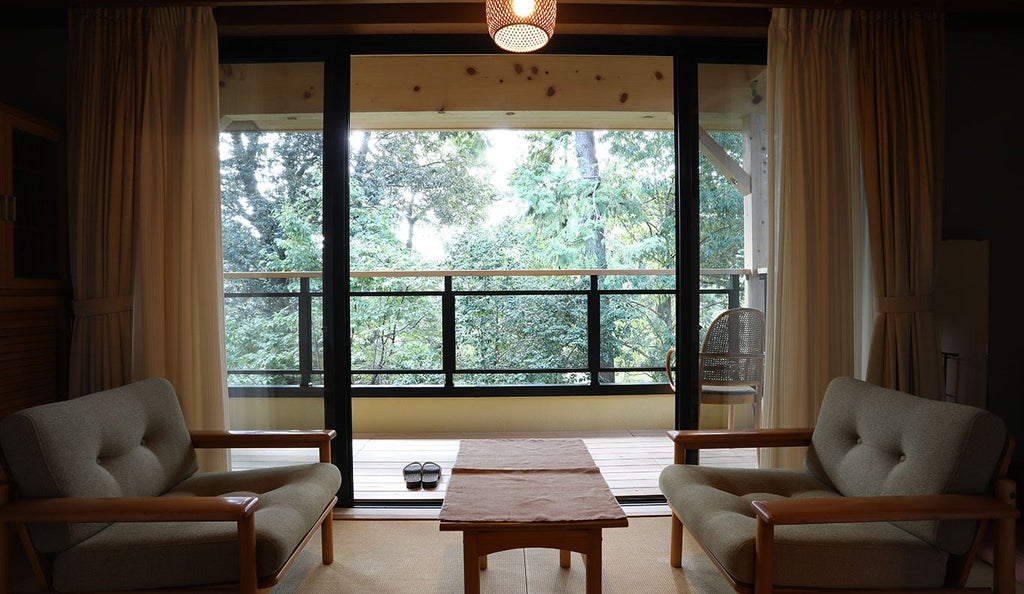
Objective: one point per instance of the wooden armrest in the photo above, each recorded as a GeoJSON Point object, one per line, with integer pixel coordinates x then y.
{"type": "Point", "coordinates": [128, 509]}
{"type": "Point", "coordinates": [262, 439]}
{"type": "Point", "coordinates": [883, 509]}
{"type": "Point", "coordinates": [307, 438]}
{"type": "Point", "coordinates": [699, 439]}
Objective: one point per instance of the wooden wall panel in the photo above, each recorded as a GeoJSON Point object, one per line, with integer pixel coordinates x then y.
{"type": "Point", "coordinates": [33, 352]}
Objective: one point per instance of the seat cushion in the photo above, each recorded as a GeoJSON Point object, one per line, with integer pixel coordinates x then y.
{"type": "Point", "coordinates": [715, 505]}
{"type": "Point", "coordinates": [140, 555]}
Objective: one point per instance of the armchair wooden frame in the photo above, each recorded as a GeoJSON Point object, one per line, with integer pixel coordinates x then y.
{"type": "Point", "coordinates": [998, 507]}
{"type": "Point", "coordinates": [17, 514]}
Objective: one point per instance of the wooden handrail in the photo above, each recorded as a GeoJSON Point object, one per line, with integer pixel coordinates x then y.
{"type": "Point", "coordinates": [127, 509]}
{"type": "Point", "coordinates": [705, 439]}
{"type": "Point", "coordinates": [308, 438]}
{"type": "Point", "coordinates": [533, 272]}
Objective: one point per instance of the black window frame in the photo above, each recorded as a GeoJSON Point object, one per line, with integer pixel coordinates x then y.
{"type": "Point", "coordinates": [336, 52]}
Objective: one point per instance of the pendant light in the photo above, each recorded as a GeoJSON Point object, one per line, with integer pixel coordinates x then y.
{"type": "Point", "coordinates": [521, 25]}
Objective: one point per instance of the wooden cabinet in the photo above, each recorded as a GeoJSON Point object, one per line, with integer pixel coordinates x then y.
{"type": "Point", "coordinates": [35, 316]}
{"type": "Point", "coordinates": [31, 182]}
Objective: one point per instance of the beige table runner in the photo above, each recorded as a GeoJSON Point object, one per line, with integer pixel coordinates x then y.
{"type": "Point", "coordinates": [523, 454]}
{"type": "Point", "coordinates": [527, 480]}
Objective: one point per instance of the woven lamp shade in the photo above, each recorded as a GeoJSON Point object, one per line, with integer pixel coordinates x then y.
{"type": "Point", "coordinates": [521, 25]}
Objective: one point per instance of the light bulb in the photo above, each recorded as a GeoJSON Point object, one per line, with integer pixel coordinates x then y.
{"type": "Point", "coordinates": [523, 8]}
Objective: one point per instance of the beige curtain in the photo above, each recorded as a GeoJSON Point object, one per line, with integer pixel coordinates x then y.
{"type": "Point", "coordinates": [815, 280]}
{"type": "Point", "coordinates": [105, 82]}
{"type": "Point", "coordinates": [152, 220]}
{"type": "Point", "coordinates": [178, 302]}
{"type": "Point", "coordinates": [900, 64]}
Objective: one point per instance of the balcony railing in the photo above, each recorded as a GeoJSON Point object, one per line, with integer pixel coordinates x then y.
{"type": "Point", "coordinates": [286, 358]}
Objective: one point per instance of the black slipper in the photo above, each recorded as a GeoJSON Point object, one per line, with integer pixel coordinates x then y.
{"type": "Point", "coordinates": [413, 473]}
{"type": "Point", "coordinates": [431, 475]}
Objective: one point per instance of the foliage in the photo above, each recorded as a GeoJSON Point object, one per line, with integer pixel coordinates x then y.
{"type": "Point", "coordinates": [574, 200]}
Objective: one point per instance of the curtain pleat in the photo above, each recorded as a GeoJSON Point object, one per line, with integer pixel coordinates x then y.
{"type": "Point", "coordinates": [815, 280]}
{"type": "Point", "coordinates": [855, 117]}
{"type": "Point", "coordinates": [178, 298]}
{"type": "Point", "coordinates": [105, 87]}
{"type": "Point", "coordinates": [145, 204]}
{"type": "Point", "coordinates": [900, 65]}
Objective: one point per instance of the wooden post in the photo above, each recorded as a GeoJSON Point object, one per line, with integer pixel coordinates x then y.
{"type": "Point", "coordinates": [764, 553]}
{"type": "Point", "coordinates": [247, 571]}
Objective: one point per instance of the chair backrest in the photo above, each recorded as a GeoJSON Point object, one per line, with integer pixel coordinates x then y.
{"type": "Point", "coordinates": [871, 441]}
{"type": "Point", "coordinates": [126, 442]}
{"type": "Point", "coordinates": [733, 349]}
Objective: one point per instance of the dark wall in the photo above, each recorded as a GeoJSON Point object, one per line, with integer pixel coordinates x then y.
{"type": "Point", "coordinates": [984, 191]}
{"type": "Point", "coordinates": [32, 71]}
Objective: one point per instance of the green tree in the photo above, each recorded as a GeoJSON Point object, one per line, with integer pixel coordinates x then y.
{"type": "Point", "coordinates": [401, 182]}
{"type": "Point", "coordinates": [272, 205]}
{"type": "Point", "coordinates": [616, 213]}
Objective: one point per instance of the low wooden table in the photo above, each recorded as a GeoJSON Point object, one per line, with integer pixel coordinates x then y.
{"type": "Point", "coordinates": [525, 493]}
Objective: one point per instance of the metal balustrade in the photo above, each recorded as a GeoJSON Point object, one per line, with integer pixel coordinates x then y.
{"type": "Point", "coordinates": [302, 292]}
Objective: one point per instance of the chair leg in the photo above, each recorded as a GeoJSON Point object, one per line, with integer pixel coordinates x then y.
{"type": "Point", "coordinates": [1003, 566]}
{"type": "Point", "coordinates": [675, 555]}
{"type": "Point", "coordinates": [327, 540]}
{"type": "Point", "coordinates": [5, 560]}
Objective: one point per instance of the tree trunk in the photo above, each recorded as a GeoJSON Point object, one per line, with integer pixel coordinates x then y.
{"type": "Point", "coordinates": [586, 162]}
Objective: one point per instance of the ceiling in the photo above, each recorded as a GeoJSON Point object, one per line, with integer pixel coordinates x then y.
{"type": "Point", "coordinates": [720, 18]}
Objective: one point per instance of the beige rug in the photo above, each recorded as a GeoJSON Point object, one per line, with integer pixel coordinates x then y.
{"type": "Point", "coordinates": [414, 556]}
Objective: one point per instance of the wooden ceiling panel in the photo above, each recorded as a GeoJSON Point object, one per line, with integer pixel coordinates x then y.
{"type": "Point", "coordinates": [468, 18]}
{"type": "Point", "coordinates": [592, 17]}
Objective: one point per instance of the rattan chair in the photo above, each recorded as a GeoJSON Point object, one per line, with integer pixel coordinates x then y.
{"type": "Point", "coordinates": [731, 363]}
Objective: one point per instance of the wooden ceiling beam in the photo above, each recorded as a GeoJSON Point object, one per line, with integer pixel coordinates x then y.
{"type": "Point", "coordinates": [464, 17]}
{"type": "Point", "coordinates": [970, 6]}
{"type": "Point", "coordinates": [593, 17]}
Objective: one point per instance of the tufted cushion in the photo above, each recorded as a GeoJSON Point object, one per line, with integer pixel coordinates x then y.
{"type": "Point", "coordinates": [291, 500]}
{"type": "Point", "coordinates": [873, 441]}
{"type": "Point", "coordinates": [714, 505]}
{"type": "Point", "coordinates": [867, 441]}
{"type": "Point", "coordinates": [129, 441]}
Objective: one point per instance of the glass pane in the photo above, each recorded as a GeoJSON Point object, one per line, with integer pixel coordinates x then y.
{"type": "Point", "coordinates": [636, 331]}
{"type": "Point", "coordinates": [271, 150]}
{"type": "Point", "coordinates": [733, 202]}
{"type": "Point", "coordinates": [404, 379]}
{"type": "Point", "coordinates": [35, 165]}
{"type": "Point", "coordinates": [733, 186]}
{"type": "Point", "coordinates": [509, 203]}
{"type": "Point", "coordinates": [396, 333]}
{"type": "Point", "coordinates": [522, 379]}
{"type": "Point", "coordinates": [521, 332]}
{"type": "Point", "coordinates": [539, 280]}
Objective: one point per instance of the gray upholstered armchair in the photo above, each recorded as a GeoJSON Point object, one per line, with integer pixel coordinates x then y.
{"type": "Point", "coordinates": [105, 488]}
{"type": "Point", "coordinates": [895, 495]}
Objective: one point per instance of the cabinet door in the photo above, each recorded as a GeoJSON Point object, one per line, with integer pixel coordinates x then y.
{"type": "Point", "coordinates": [30, 183]}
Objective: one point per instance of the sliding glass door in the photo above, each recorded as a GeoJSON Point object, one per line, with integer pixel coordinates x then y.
{"type": "Point", "coordinates": [452, 244]}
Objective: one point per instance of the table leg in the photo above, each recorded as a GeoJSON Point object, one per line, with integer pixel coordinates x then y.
{"type": "Point", "coordinates": [471, 562]}
{"type": "Point", "coordinates": [564, 559]}
{"type": "Point", "coordinates": [594, 561]}
{"type": "Point", "coordinates": [483, 561]}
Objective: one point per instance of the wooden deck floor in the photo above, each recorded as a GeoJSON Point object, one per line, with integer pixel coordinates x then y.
{"type": "Point", "coordinates": [629, 460]}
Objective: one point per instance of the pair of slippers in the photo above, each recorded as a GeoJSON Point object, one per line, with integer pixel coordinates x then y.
{"type": "Point", "coordinates": [425, 475]}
